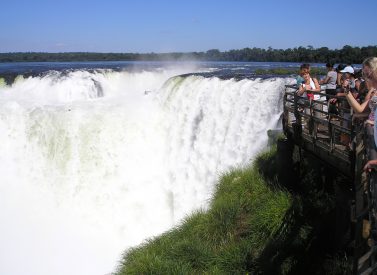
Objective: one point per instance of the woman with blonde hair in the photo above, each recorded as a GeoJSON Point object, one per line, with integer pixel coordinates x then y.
{"type": "Point", "coordinates": [369, 103]}
{"type": "Point", "coordinates": [370, 75]}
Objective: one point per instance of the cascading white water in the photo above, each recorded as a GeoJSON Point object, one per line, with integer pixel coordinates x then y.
{"type": "Point", "coordinates": [91, 163]}
{"type": "Point", "coordinates": [213, 125]}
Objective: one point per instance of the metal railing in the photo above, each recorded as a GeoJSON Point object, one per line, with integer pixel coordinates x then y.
{"type": "Point", "coordinates": [315, 129]}
{"type": "Point", "coordinates": [340, 140]}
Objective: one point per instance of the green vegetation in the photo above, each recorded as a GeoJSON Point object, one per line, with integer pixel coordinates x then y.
{"type": "Point", "coordinates": [347, 54]}
{"type": "Point", "coordinates": [288, 71]}
{"type": "Point", "coordinates": [244, 214]}
{"type": "Point", "coordinates": [253, 225]}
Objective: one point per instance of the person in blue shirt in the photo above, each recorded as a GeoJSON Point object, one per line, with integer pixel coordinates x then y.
{"type": "Point", "coordinates": [299, 79]}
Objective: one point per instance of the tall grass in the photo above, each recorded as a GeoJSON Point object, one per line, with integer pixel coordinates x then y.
{"type": "Point", "coordinates": [244, 214]}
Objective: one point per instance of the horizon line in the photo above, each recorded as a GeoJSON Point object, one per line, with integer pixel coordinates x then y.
{"type": "Point", "coordinates": [309, 47]}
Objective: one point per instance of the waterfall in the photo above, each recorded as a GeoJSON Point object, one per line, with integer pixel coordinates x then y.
{"type": "Point", "coordinates": [93, 163]}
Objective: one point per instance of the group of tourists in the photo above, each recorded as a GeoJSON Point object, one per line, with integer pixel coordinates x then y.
{"type": "Point", "coordinates": [346, 89]}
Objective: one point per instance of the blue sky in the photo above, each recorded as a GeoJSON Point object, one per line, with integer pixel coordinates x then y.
{"type": "Point", "coordinates": [184, 26]}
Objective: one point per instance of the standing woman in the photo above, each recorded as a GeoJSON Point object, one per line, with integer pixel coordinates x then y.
{"type": "Point", "coordinates": [370, 75]}
{"type": "Point", "coordinates": [309, 85]}
{"type": "Point", "coordinates": [306, 90]}
{"type": "Point", "coordinates": [369, 104]}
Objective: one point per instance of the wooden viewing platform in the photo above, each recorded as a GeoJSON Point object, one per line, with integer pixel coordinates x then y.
{"type": "Point", "coordinates": [308, 124]}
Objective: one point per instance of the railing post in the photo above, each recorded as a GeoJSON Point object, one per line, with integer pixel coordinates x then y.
{"type": "Point", "coordinates": [297, 127]}
{"type": "Point", "coordinates": [359, 203]}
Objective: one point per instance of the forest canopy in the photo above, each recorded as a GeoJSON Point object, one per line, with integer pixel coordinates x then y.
{"type": "Point", "coordinates": [348, 54]}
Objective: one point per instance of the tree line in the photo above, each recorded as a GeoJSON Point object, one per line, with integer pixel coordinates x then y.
{"type": "Point", "coordinates": [347, 54]}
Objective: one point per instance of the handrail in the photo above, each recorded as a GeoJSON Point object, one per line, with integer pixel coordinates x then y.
{"type": "Point", "coordinates": [303, 117]}
{"type": "Point", "coordinates": [299, 110]}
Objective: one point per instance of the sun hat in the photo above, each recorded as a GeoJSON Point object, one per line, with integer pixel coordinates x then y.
{"type": "Point", "coordinates": [348, 69]}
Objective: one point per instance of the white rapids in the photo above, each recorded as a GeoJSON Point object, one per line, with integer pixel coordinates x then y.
{"type": "Point", "coordinates": [92, 163]}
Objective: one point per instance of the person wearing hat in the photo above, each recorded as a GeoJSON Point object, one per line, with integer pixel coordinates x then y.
{"type": "Point", "coordinates": [349, 74]}
{"type": "Point", "coordinates": [347, 79]}
{"type": "Point", "coordinates": [348, 69]}
{"type": "Point", "coordinates": [347, 83]}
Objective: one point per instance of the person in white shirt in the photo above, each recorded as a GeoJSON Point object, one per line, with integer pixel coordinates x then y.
{"type": "Point", "coordinates": [330, 80]}
{"type": "Point", "coordinates": [309, 85]}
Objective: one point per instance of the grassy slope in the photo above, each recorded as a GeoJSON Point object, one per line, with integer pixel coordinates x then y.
{"type": "Point", "coordinates": [254, 226]}
{"type": "Point", "coordinates": [243, 215]}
